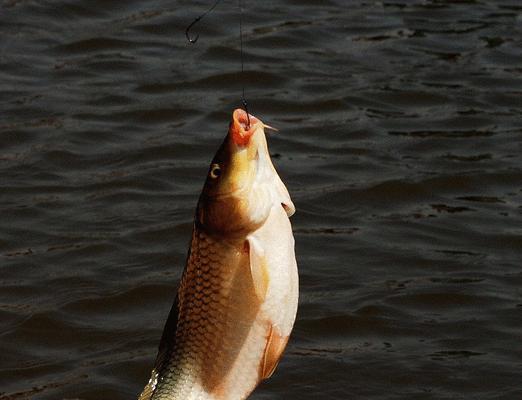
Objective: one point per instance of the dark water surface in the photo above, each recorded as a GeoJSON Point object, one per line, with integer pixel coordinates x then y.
{"type": "Point", "coordinates": [400, 142]}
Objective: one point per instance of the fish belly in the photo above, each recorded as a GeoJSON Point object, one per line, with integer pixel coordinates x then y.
{"type": "Point", "coordinates": [229, 332]}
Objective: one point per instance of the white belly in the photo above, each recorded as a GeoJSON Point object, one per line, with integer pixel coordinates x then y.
{"type": "Point", "coordinates": [277, 241]}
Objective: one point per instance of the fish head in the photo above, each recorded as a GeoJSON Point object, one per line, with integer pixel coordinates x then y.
{"type": "Point", "coordinates": [242, 184]}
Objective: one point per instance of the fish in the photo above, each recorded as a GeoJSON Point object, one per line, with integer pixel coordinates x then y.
{"type": "Point", "coordinates": [237, 298]}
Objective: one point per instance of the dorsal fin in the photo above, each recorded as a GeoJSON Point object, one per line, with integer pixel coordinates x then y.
{"type": "Point", "coordinates": [164, 352]}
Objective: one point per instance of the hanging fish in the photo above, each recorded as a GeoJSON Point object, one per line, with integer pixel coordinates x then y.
{"type": "Point", "coordinates": [237, 299]}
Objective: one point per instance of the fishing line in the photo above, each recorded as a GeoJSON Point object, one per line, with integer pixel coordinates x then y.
{"type": "Point", "coordinates": [243, 100]}
{"type": "Point", "coordinates": [195, 39]}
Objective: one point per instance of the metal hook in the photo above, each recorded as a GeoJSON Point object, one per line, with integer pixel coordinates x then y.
{"type": "Point", "coordinates": [246, 110]}
{"type": "Point", "coordinates": [194, 40]}
{"type": "Point", "coordinates": [189, 28]}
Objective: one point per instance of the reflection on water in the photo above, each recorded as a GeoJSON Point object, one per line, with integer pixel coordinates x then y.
{"type": "Point", "coordinates": [400, 142]}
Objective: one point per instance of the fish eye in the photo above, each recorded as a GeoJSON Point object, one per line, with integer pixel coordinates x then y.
{"type": "Point", "coordinates": [215, 171]}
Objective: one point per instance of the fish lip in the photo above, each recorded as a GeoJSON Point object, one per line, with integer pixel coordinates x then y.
{"type": "Point", "coordinates": [238, 127]}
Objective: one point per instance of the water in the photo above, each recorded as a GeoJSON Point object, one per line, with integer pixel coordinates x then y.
{"type": "Point", "coordinates": [400, 141]}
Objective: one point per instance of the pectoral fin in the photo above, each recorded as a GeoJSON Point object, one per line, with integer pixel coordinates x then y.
{"type": "Point", "coordinates": [258, 268]}
{"type": "Point", "coordinates": [275, 346]}
{"type": "Point", "coordinates": [285, 200]}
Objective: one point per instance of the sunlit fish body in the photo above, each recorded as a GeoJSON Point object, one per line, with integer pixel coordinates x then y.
{"type": "Point", "coordinates": [237, 299]}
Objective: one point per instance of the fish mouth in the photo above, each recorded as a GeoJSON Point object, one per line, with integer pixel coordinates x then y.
{"type": "Point", "coordinates": [242, 127]}
{"type": "Point", "coordinates": [244, 150]}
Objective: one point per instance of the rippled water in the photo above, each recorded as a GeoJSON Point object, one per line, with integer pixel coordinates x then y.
{"type": "Point", "coordinates": [400, 142]}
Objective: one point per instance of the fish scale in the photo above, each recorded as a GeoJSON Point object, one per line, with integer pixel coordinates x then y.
{"type": "Point", "coordinates": [204, 325]}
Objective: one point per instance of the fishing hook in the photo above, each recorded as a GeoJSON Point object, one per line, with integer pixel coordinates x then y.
{"type": "Point", "coordinates": [245, 106]}
{"type": "Point", "coordinates": [195, 39]}
{"type": "Point", "coordinates": [187, 31]}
